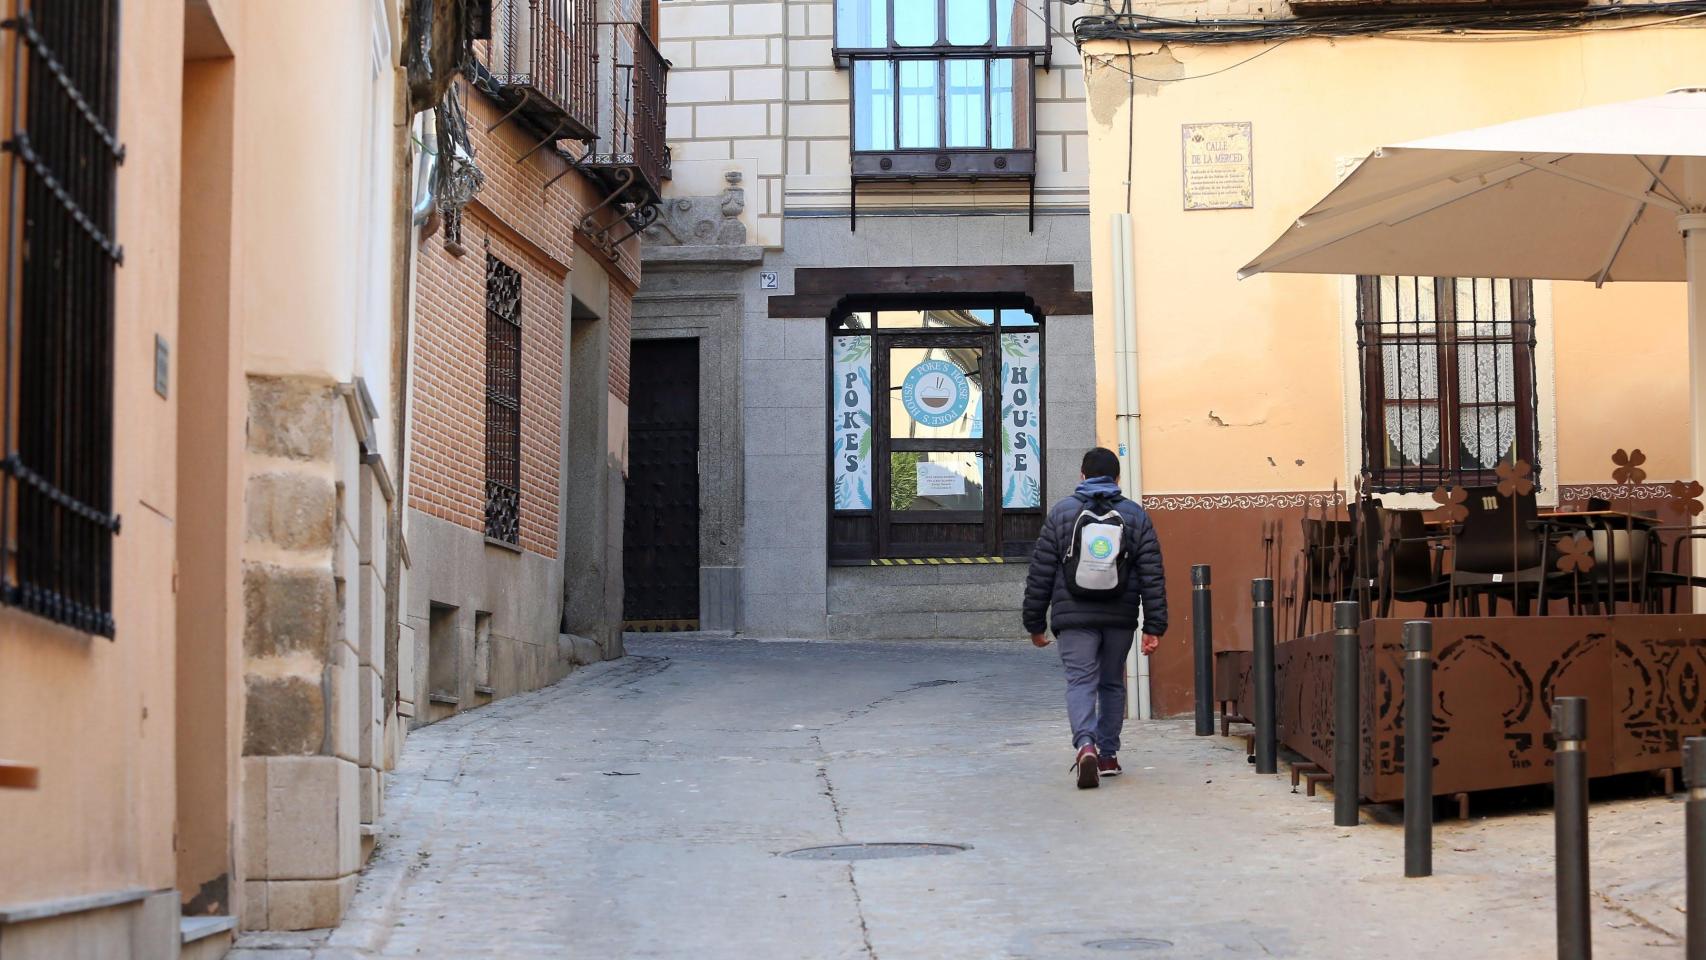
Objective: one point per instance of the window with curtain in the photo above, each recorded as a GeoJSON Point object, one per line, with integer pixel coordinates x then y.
{"type": "Point", "coordinates": [936, 432]}
{"type": "Point", "coordinates": [1448, 379]}
{"type": "Point", "coordinates": [936, 75]}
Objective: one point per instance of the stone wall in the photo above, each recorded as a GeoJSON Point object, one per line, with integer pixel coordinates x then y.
{"type": "Point", "coordinates": [313, 638]}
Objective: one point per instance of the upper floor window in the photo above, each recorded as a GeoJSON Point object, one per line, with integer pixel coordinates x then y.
{"type": "Point", "coordinates": [1017, 26]}
{"type": "Point", "coordinates": [942, 89]}
{"type": "Point", "coordinates": [61, 161]}
{"type": "Point", "coordinates": [1448, 379]}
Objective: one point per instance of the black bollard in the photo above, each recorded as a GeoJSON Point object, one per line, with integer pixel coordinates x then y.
{"type": "Point", "coordinates": [1202, 633]}
{"type": "Point", "coordinates": [1418, 749]}
{"type": "Point", "coordinates": [1570, 819]}
{"type": "Point", "coordinates": [1262, 630]}
{"type": "Point", "coordinates": [1694, 775]}
{"type": "Point", "coordinates": [1347, 717]}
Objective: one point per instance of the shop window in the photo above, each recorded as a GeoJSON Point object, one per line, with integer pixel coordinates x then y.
{"type": "Point", "coordinates": [61, 156]}
{"type": "Point", "coordinates": [936, 432]}
{"type": "Point", "coordinates": [1448, 379]}
{"type": "Point", "coordinates": [503, 401]}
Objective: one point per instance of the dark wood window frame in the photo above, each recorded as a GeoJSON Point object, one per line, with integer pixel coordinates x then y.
{"type": "Point", "coordinates": [1016, 163]}
{"type": "Point", "coordinates": [503, 401]}
{"type": "Point", "coordinates": [1447, 343]}
{"type": "Point", "coordinates": [858, 537]}
{"type": "Point", "coordinates": [62, 155]}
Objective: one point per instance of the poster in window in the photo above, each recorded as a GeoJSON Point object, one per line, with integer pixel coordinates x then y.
{"type": "Point", "coordinates": [1021, 421]}
{"type": "Point", "coordinates": [1218, 172]}
{"type": "Point", "coordinates": [850, 423]}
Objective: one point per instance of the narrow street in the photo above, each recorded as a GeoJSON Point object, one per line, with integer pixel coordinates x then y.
{"type": "Point", "coordinates": [640, 809]}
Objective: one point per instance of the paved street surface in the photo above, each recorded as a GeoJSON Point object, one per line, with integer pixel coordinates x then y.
{"type": "Point", "coordinates": [640, 809]}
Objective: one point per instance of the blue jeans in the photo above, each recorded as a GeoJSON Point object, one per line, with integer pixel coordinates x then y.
{"type": "Point", "coordinates": [1094, 658]}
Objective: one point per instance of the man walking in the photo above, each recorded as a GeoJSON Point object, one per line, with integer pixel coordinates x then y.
{"type": "Point", "coordinates": [1096, 568]}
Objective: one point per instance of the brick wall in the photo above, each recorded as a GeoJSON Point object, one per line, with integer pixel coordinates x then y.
{"type": "Point", "coordinates": [621, 325]}
{"type": "Point", "coordinates": [448, 464]}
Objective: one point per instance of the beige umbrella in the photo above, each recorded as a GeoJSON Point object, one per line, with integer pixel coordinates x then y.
{"type": "Point", "coordinates": [1615, 192]}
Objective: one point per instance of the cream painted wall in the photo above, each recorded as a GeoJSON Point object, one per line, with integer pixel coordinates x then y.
{"type": "Point", "coordinates": [96, 716]}
{"type": "Point", "coordinates": [1241, 382]}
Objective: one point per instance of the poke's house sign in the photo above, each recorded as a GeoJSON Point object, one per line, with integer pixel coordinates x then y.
{"type": "Point", "coordinates": [1217, 166]}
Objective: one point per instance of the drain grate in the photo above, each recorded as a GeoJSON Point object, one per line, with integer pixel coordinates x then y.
{"type": "Point", "coordinates": [1128, 944]}
{"type": "Point", "coordinates": [875, 851]}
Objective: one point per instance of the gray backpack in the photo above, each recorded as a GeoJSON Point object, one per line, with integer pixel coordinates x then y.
{"type": "Point", "coordinates": [1096, 557]}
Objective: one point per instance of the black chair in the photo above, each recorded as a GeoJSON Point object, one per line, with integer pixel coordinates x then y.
{"type": "Point", "coordinates": [1328, 571]}
{"type": "Point", "coordinates": [1500, 550]}
{"type": "Point", "coordinates": [1412, 562]}
{"type": "Point", "coordinates": [1674, 579]}
{"type": "Point", "coordinates": [1624, 564]}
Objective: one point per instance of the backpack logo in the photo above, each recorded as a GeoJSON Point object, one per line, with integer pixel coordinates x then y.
{"type": "Point", "coordinates": [1096, 559]}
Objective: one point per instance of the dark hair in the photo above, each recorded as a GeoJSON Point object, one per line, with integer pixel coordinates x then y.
{"type": "Point", "coordinates": [1101, 462]}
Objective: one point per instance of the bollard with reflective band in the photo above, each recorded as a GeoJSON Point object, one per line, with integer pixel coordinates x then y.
{"type": "Point", "coordinates": [1347, 717]}
{"type": "Point", "coordinates": [1202, 637]}
{"type": "Point", "coordinates": [1694, 775]}
{"type": "Point", "coordinates": [1262, 663]}
{"type": "Point", "coordinates": [1418, 749]}
{"type": "Point", "coordinates": [1570, 818]}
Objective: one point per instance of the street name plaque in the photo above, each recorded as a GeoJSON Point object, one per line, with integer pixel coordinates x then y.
{"type": "Point", "coordinates": [1217, 168]}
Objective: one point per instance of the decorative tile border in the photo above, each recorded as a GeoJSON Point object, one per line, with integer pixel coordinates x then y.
{"type": "Point", "coordinates": [1243, 501]}
{"type": "Point", "coordinates": [1610, 491]}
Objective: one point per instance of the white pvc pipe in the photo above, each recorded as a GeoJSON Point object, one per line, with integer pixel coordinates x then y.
{"type": "Point", "coordinates": [1693, 227]}
{"type": "Point", "coordinates": [1126, 417]}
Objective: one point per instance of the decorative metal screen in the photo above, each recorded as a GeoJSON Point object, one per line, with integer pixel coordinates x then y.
{"type": "Point", "coordinates": [503, 401]}
{"type": "Point", "coordinates": [62, 155]}
{"type": "Point", "coordinates": [1448, 378]}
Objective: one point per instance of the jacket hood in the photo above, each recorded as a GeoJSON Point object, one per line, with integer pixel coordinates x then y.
{"type": "Point", "coordinates": [1093, 487]}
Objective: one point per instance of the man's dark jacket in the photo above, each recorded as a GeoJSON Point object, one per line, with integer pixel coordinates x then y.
{"type": "Point", "coordinates": [1145, 589]}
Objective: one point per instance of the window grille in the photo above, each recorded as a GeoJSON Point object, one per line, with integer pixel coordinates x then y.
{"type": "Point", "coordinates": [61, 154]}
{"type": "Point", "coordinates": [503, 401]}
{"type": "Point", "coordinates": [1448, 379]}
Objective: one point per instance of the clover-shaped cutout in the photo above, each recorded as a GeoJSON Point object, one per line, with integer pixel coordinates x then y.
{"type": "Point", "coordinates": [1575, 554]}
{"type": "Point", "coordinates": [1687, 494]}
{"type": "Point", "coordinates": [1451, 500]}
{"type": "Point", "coordinates": [1514, 479]}
{"type": "Point", "coordinates": [1629, 467]}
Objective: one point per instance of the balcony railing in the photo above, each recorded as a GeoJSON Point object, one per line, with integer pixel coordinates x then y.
{"type": "Point", "coordinates": [632, 82]}
{"type": "Point", "coordinates": [540, 62]}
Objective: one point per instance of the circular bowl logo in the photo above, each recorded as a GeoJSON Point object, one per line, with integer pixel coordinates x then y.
{"type": "Point", "coordinates": [1101, 547]}
{"type": "Point", "coordinates": [935, 393]}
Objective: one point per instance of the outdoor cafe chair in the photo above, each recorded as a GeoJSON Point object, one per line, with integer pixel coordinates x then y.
{"type": "Point", "coordinates": [1623, 571]}
{"type": "Point", "coordinates": [1411, 563]}
{"type": "Point", "coordinates": [1674, 579]}
{"type": "Point", "coordinates": [1500, 549]}
{"type": "Point", "coordinates": [1328, 568]}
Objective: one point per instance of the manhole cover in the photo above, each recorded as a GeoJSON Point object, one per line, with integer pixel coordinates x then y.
{"type": "Point", "coordinates": [1129, 944]}
{"type": "Point", "coordinates": [875, 851]}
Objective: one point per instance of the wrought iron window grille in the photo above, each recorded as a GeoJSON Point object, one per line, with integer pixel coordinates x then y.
{"type": "Point", "coordinates": [503, 401]}
{"type": "Point", "coordinates": [62, 155]}
{"type": "Point", "coordinates": [1448, 382]}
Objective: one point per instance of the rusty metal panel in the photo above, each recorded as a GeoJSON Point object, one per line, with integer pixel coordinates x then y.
{"type": "Point", "coordinates": [1495, 680]}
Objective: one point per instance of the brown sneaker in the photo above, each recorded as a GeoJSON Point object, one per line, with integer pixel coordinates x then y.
{"type": "Point", "coordinates": [1089, 767]}
{"type": "Point", "coordinates": [1109, 766]}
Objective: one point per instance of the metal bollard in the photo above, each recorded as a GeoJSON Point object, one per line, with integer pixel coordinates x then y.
{"type": "Point", "coordinates": [1694, 775]}
{"type": "Point", "coordinates": [1347, 715]}
{"type": "Point", "coordinates": [1570, 820]}
{"type": "Point", "coordinates": [1262, 630]}
{"type": "Point", "coordinates": [1418, 749]}
{"type": "Point", "coordinates": [1202, 630]}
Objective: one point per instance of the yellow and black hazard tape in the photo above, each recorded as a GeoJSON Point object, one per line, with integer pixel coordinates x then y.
{"type": "Point", "coordinates": [937, 561]}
